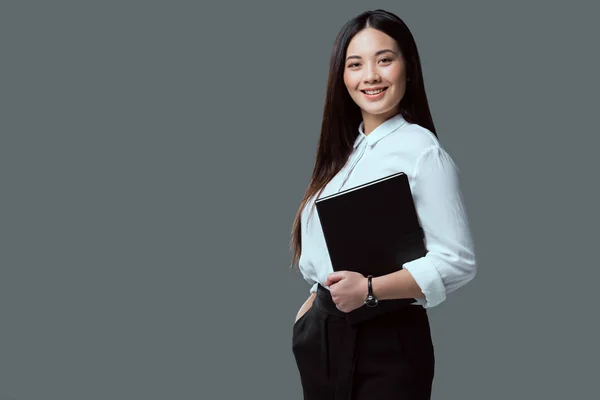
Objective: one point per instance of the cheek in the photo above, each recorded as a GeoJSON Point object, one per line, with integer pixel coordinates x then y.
{"type": "Point", "coordinates": [347, 83]}
{"type": "Point", "coordinates": [350, 81]}
{"type": "Point", "coordinates": [395, 75]}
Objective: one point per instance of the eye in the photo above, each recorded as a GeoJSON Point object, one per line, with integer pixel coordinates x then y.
{"type": "Point", "coordinates": [383, 59]}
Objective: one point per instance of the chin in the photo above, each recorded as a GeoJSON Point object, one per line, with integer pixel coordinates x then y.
{"type": "Point", "coordinates": [377, 110]}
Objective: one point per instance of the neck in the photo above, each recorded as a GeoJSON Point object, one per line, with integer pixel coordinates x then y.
{"type": "Point", "coordinates": [372, 121]}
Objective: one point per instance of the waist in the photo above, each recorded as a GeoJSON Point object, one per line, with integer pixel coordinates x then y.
{"type": "Point", "coordinates": [324, 302]}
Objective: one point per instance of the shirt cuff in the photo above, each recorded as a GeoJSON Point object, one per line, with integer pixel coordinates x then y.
{"type": "Point", "coordinates": [313, 289]}
{"type": "Point", "coordinates": [429, 280]}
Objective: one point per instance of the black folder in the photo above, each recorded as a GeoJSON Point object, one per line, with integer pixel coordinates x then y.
{"type": "Point", "coordinates": [372, 229]}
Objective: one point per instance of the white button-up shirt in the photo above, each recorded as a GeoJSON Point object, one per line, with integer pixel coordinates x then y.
{"type": "Point", "coordinates": [399, 146]}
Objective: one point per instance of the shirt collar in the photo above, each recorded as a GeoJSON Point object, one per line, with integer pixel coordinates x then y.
{"type": "Point", "coordinates": [384, 129]}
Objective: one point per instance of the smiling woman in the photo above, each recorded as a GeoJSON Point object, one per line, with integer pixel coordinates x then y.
{"type": "Point", "coordinates": [376, 122]}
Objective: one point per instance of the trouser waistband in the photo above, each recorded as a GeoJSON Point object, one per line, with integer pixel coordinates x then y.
{"type": "Point", "coordinates": [325, 303]}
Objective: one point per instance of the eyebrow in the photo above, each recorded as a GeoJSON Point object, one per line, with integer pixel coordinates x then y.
{"type": "Point", "coordinates": [376, 54]}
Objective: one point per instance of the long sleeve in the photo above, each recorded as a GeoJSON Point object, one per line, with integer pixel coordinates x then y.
{"type": "Point", "coordinates": [303, 264]}
{"type": "Point", "coordinates": [450, 261]}
{"type": "Point", "coordinates": [309, 252]}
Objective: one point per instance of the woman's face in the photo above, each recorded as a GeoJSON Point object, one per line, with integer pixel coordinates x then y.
{"type": "Point", "coordinates": [368, 65]}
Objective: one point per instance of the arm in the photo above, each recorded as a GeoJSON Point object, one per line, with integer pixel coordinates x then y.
{"type": "Point", "coordinates": [397, 285]}
{"type": "Point", "coordinates": [450, 260]}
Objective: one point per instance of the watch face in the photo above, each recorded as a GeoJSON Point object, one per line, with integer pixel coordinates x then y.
{"type": "Point", "coordinates": [371, 301]}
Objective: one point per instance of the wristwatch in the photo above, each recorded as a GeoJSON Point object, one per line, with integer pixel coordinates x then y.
{"type": "Point", "coordinates": [371, 300]}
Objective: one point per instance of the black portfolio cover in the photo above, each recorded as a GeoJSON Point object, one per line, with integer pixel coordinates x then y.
{"type": "Point", "coordinates": [372, 229]}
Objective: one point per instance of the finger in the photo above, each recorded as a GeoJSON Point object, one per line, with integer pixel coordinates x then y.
{"type": "Point", "coordinates": [333, 279]}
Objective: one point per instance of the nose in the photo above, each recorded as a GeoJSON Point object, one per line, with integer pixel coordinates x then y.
{"type": "Point", "coordinates": [371, 74]}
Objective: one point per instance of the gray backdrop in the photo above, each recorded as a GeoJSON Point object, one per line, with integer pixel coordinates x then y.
{"type": "Point", "coordinates": [153, 156]}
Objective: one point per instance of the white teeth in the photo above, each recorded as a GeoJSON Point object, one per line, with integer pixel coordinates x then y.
{"type": "Point", "coordinates": [373, 91]}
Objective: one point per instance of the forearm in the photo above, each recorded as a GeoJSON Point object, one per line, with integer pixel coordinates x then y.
{"type": "Point", "coordinates": [396, 285]}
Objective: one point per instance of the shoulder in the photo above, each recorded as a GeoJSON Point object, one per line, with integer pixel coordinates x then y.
{"type": "Point", "coordinates": [414, 139]}
{"type": "Point", "coordinates": [422, 148]}
{"type": "Point", "coordinates": [411, 142]}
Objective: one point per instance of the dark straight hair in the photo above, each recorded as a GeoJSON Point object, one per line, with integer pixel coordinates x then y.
{"type": "Point", "coordinates": [342, 116]}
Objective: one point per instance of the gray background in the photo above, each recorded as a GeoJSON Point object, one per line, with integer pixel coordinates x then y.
{"type": "Point", "coordinates": [153, 156]}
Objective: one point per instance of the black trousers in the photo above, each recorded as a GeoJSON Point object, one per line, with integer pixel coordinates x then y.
{"type": "Point", "coordinates": [388, 357]}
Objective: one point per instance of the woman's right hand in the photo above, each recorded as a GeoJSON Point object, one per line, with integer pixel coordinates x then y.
{"type": "Point", "coordinates": [306, 306]}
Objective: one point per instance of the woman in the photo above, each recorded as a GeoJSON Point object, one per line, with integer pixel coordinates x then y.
{"type": "Point", "coordinates": [377, 122]}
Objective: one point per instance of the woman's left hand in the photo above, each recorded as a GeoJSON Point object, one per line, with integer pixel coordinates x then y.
{"type": "Point", "coordinates": [348, 289]}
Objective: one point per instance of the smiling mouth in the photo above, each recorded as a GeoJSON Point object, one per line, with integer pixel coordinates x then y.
{"type": "Point", "coordinates": [374, 91]}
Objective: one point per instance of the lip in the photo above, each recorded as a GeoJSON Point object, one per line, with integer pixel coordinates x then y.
{"type": "Point", "coordinates": [374, 96]}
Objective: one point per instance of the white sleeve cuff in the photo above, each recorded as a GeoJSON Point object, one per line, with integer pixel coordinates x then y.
{"type": "Point", "coordinates": [429, 280]}
{"type": "Point", "coordinates": [313, 289]}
